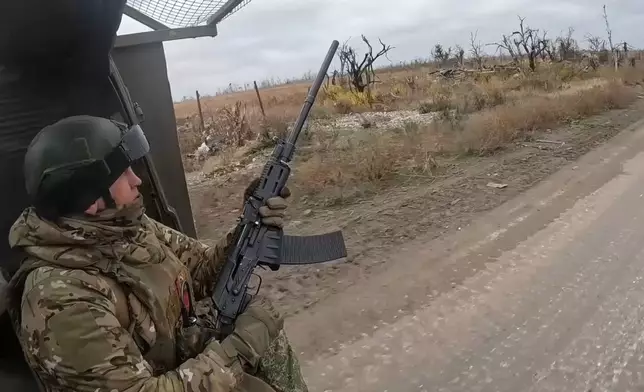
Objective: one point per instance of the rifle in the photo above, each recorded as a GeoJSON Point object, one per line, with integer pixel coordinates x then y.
{"type": "Point", "coordinates": [260, 245]}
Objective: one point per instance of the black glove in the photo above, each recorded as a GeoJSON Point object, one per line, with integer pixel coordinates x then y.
{"type": "Point", "coordinates": [275, 209]}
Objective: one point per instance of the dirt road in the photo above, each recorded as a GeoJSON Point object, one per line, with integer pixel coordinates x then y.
{"type": "Point", "coordinates": [545, 293]}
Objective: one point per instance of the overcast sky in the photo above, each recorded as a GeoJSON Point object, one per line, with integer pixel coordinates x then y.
{"type": "Point", "coordinates": [287, 38]}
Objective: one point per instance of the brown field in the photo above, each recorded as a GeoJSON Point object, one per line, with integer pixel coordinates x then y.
{"type": "Point", "coordinates": [288, 95]}
{"type": "Point", "coordinates": [476, 113]}
{"type": "Point", "coordinates": [418, 156]}
{"type": "Point", "coordinates": [422, 154]}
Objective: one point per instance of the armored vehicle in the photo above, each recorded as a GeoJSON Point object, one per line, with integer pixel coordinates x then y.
{"type": "Point", "coordinates": [62, 58]}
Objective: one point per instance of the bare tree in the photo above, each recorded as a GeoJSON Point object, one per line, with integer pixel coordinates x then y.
{"type": "Point", "coordinates": [525, 42]}
{"type": "Point", "coordinates": [596, 43]}
{"type": "Point", "coordinates": [440, 54]}
{"type": "Point", "coordinates": [549, 50]}
{"type": "Point", "coordinates": [476, 50]}
{"type": "Point", "coordinates": [510, 46]}
{"type": "Point", "coordinates": [567, 46]}
{"type": "Point", "coordinates": [361, 73]}
{"type": "Point", "coordinates": [626, 47]}
{"type": "Point", "coordinates": [459, 55]}
{"type": "Point", "coordinates": [609, 32]}
{"type": "Point", "coordinates": [335, 78]}
{"type": "Point", "coordinates": [343, 52]}
{"type": "Point", "coordinates": [533, 45]}
{"type": "Point", "coordinates": [597, 47]}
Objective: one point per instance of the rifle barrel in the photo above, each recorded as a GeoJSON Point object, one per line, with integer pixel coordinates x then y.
{"type": "Point", "coordinates": [310, 99]}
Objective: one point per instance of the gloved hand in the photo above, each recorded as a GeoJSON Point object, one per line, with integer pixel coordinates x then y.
{"type": "Point", "coordinates": [273, 212]}
{"type": "Point", "coordinates": [254, 331]}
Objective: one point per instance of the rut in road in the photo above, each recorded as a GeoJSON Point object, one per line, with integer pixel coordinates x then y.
{"type": "Point", "coordinates": [559, 310]}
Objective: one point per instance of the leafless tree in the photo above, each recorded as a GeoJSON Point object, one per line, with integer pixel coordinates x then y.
{"type": "Point", "coordinates": [440, 54]}
{"type": "Point", "coordinates": [510, 46]}
{"type": "Point", "coordinates": [361, 73]}
{"type": "Point", "coordinates": [596, 43]}
{"type": "Point", "coordinates": [335, 78]}
{"type": "Point", "coordinates": [476, 50]}
{"type": "Point", "coordinates": [624, 56]}
{"type": "Point", "coordinates": [459, 55]}
{"type": "Point", "coordinates": [532, 44]}
{"type": "Point", "coordinates": [524, 42]}
{"type": "Point", "coordinates": [549, 50]}
{"type": "Point", "coordinates": [567, 46]}
{"type": "Point", "coordinates": [341, 76]}
{"type": "Point", "coordinates": [609, 32]}
{"type": "Point", "coordinates": [597, 47]}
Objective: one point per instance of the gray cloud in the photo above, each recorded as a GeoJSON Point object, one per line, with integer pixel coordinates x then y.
{"type": "Point", "coordinates": [287, 38]}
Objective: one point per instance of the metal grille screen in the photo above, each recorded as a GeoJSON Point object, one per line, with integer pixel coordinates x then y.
{"type": "Point", "coordinates": [181, 13]}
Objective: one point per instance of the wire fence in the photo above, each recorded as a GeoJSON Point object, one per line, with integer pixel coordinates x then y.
{"type": "Point", "coordinates": [182, 13]}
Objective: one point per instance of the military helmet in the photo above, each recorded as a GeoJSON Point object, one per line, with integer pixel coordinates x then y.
{"type": "Point", "coordinates": [72, 163]}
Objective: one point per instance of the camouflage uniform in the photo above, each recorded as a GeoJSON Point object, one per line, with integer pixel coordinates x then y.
{"type": "Point", "coordinates": [98, 306]}
{"type": "Point", "coordinates": [3, 289]}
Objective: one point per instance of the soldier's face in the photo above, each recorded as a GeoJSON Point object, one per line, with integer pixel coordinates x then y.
{"type": "Point", "coordinates": [124, 191]}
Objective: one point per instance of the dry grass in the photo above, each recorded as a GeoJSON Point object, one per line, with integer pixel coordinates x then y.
{"type": "Point", "coordinates": [419, 88]}
{"type": "Point", "coordinates": [489, 130]}
{"type": "Point", "coordinates": [280, 96]}
{"type": "Point", "coordinates": [236, 119]}
{"type": "Point", "coordinates": [339, 171]}
{"type": "Point", "coordinates": [467, 92]}
{"type": "Point", "coordinates": [481, 112]}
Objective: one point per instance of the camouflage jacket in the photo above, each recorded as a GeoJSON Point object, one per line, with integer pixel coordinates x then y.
{"type": "Point", "coordinates": [3, 288]}
{"type": "Point", "coordinates": [97, 303]}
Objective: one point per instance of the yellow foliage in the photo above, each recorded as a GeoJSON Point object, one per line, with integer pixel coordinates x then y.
{"type": "Point", "coordinates": [335, 94]}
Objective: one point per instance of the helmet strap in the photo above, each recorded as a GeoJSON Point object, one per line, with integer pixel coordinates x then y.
{"type": "Point", "coordinates": [107, 198]}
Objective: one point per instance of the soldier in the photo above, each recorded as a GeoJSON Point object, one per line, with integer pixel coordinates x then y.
{"type": "Point", "coordinates": [107, 298]}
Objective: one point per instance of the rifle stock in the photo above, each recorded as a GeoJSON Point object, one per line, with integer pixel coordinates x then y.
{"type": "Point", "coordinates": [256, 244]}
